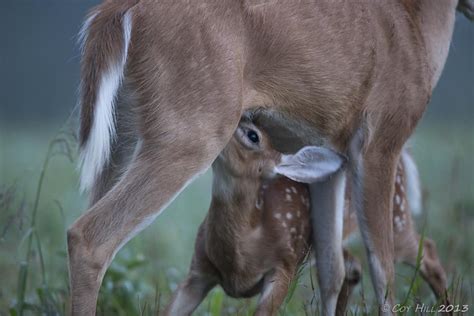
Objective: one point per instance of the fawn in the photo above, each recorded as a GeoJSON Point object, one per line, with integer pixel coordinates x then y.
{"type": "Point", "coordinates": [257, 231]}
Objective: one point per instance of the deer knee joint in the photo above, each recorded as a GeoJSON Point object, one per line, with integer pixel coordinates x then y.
{"type": "Point", "coordinates": [80, 253]}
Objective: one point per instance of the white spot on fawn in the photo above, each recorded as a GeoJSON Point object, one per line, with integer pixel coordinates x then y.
{"type": "Point", "coordinates": [293, 230]}
{"type": "Point", "coordinates": [298, 214]}
{"type": "Point", "coordinates": [287, 190]}
{"type": "Point", "coordinates": [277, 215]}
{"type": "Point", "coordinates": [289, 215]}
{"type": "Point", "coordinates": [288, 198]}
{"type": "Point", "coordinates": [399, 179]}
{"type": "Point", "coordinates": [293, 189]}
{"type": "Point", "coordinates": [399, 223]}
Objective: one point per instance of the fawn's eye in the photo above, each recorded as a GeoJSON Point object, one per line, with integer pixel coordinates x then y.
{"type": "Point", "coordinates": [253, 136]}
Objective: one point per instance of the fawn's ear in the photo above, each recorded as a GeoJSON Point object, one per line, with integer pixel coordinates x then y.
{"type": "Point", "coordinates": [310, 164]}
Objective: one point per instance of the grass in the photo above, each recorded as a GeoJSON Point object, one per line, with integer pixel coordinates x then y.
{"type": "Point", "coordinates": [39, 199]}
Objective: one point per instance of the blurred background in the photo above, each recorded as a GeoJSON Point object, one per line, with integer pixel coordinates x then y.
{"type": "Point", "coordinates": [39, 196]}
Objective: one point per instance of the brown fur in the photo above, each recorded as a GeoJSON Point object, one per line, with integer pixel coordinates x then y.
{"type": "Point", "coordinates": [195, 66]}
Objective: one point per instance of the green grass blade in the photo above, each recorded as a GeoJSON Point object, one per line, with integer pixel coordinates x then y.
{"type": "Point", "coordinates": [419, 257]}
{"type": "Point", "coordinates": [216, 303]}
{"type": "Point", "coordinates": [40, 252]}
{"type": "Point", "coordinates": [22, 278]}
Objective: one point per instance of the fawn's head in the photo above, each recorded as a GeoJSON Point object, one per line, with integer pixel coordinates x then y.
{"type": "Point", "coordinates": [249, 154]}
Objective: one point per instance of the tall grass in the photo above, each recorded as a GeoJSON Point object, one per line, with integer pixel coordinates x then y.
{"type": "Point", "coordinates": [61, 144]}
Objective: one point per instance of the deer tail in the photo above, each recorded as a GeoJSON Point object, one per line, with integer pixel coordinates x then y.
{"type": "Point", "coordinates": [104, 39]}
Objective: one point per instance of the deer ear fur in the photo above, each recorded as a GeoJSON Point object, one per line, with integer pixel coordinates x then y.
{"type": "Point", "coordinates": [310, 164]}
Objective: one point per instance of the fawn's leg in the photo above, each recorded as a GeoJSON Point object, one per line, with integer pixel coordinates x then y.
{"type": "Point", "coordinates": [274, 291]}
{"type": "Point", "coordinates": [190, 294]}
{"type": "Point", "coordinates": [202, 277]}
{"type": "Point", "coordinates": [327, 215]}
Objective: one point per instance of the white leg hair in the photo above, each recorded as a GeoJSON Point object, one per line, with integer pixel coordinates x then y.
{"type": "Point", "coordinates": [327, 215]}
{"type": "Point", "coordinates": [413, 185]}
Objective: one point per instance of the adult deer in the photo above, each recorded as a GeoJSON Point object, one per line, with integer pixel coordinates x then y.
{"type": "Point", "coordinates": [258, 232]}
{"type": "Point", "coordinates": [164, 84]}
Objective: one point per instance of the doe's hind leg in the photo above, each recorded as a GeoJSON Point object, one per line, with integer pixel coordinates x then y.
{"type": "Point", "coordinates": [155, 176]}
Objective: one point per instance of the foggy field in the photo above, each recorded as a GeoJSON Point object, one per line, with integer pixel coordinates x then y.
{"type": "Point", "coordinates": [40, 68]}
{"type": "Point", "coordinates": [149, 267]}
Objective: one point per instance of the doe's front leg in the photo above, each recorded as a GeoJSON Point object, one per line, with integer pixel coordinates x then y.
{"type": "Point", "coordinates": [327, 217]}
{"type": "Point", "coordinates": [372, 199]}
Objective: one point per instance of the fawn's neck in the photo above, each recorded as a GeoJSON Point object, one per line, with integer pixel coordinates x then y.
{"type": "Point", "coordinates": [232, 216]}
{"type": "Point", "coordinates": [234, 200]}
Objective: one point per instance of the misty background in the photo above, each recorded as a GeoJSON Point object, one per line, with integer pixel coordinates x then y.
{"type": "Point", "coordinates": [39, 62]}
{"type": "Point", "coordinates": [39, 76]}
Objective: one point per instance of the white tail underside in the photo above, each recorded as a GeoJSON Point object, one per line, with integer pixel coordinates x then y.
{"type": "Point", "coordinates": [96, 151]}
